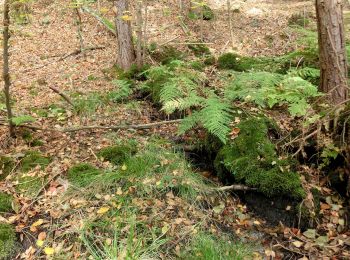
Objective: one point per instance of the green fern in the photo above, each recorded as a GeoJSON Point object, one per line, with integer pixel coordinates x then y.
{"type": "Point", "coordinates": [270, 89]}
{"type": "Point", "coordinates": [310, 74]}
{"type": "Point", "coordinates": [122, 92]}
{"type": "Point", "coordinates": [216, 117]}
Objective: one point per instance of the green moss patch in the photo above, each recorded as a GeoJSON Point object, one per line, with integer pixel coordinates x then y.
{"type": "Point", "coordinates": [117, 154]}
{"type": "Point", "coordinates": [83, 174]}
{"type": "Point", "coordinates": [6, 166]}
{"type": "Point", "coordinates": [199, 50]}
{"type": "Point", "coordinates": [29, 185]}
{"type": "Point", "coordinates": [5, 202]}
{"type": "Point", "coordinates": [166, 54]}
{"type": "Point", "coordinates": [236, 62]}
{"type": "Point", "coordinates": [251, 158]}
{"type": "Point", "coordinates": [33, 159]}
{"type": "Point", "coordinates": [205, 246]}
{"type": "Point", "coordinates": [7, 241]}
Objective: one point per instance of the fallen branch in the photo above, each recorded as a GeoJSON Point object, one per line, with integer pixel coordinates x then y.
{"type": "Point", "coordinates": [142, 126]}
{"type": "Point", "coordinates": [235, 187]}
{"type": "Point", "coordinates": [76, 52]}
{"type": "Point", "coordinates": [93, 127]}
{"type": "Point", "coordinates": [64, 96]}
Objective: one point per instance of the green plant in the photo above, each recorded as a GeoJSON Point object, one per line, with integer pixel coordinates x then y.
{"type": "Point", "coordinates": [205, 246]}
{"type": "Point", "coordinates": [251, 158]}
{"type": "Point", "coordinates": [199, 49]}
{"type": "Point", "coordinates": [118, 153]}
{"type": "Point", "coordinates": [33, 159]}
{"type": "Point", "coordinates": [269, 89]}
{"type": "Point", "coordinates": [6, 166]}
{"type": "Point", "coordinates": [88, 104]}
{"type": "Point", "coordinates": [5, 202]}
{"type": "Point", "coordinates": [123, 91]}
{"type": "Point", "coordinates": [21, 11]}
{"type": "Point", "coordinates": [20, 120]}
{"type": "Point", "coordinates": [83, 174]}
{"type": "Point", "coordinates": [179, 88]}
{"type": "Point", "coordinates": [136, 244]}
{"type": "Point", "coordinates": [7, 241]}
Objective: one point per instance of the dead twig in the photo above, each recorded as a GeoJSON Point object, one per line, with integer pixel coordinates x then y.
{"type": "Point", "coordinates": [235, 187]}
{"type": "Point", "coordinates": [93, 127]}
{"type": "Point", "coordinates": [64, 96]}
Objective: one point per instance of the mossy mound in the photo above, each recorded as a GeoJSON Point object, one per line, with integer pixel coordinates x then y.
{"type": "Point", "coordinates": [6, 166]}
{"type": "Point", "coordinates": [83, 174]}
{"type": "Point", "coordinates": [29, 185]}
{"type": "Point", "coordinates": [166, 54]}
{"type": "Point", "coordinates": [7, 241]}
{"type": "Point", "coordinates": [251, 158]}
{"type": "Point", "coordinates": [117, 154]}
{"type": "Point", "coordinates": [236, 62]}
{"type": "Point", "coordinates": [209, 60]}
{"type": "Point", "coordinates": [33, 159]}
{"type": "Point", "coordinates": [299, 19]}
{"type": "Point", "coordinates": [5, 202]}
{"type": "Point", "coordinates": [199, 50]}
{"type": "Point", "coordinates": [202, 12]}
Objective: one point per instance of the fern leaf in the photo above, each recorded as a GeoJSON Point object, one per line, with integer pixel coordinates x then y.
{"type": "Point", "coordinates": [216, 117]}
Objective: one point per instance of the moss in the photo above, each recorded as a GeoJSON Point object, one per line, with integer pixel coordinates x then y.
{"type": "Point", "coordinates": [197, 65]}
{"type": "Point", "coordinates": [166, 54]}
{"type": "Point", "coordinates": [29, 185]}
{"type": "Point", "coordinates": [33, 159]}
{"type": "Point", "coordinates": [83, 174]}
{"type": "Point", "coordinates": [210, 60]}
{"type": "Point", "coordinates": [199, 49]}
{"type": "Point", "coordinates": [118, 153]}
{"type": "Point", "coordinates": [299, 20]}
{"type": "Point", "coordinates": [6, 166]}
{"type": "Point", "coordinates": [251, 158]}
{"type": "Point", "coordinates": [207, 12]}
{"type": "Point", "coordinates": [5, 202]}
{"type": "Point", "coordinates": [7, 241]}
{"type": "Point", "coordinates": [236, 62]}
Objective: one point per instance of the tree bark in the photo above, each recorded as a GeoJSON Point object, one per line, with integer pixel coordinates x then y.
{"type": "Point", "coordinates": [139, 21]}
{"type": "Point", "coordinates": [126, 51]}
{"type": "Point", "coordinates": [331, 38]}
{"type": "Point", "coordinates": [6, 70]}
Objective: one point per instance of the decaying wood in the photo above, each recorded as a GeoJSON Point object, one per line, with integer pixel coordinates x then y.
{"type": "Point", "coordinates": [96, 127]}
{"type": "Point", "coordinates": [235, 187]}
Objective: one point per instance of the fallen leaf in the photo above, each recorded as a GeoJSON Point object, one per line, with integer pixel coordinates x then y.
{"type": "Point", "coordinates": [38, 223]}
{"type": "Point", "coordinates": [39, 243]}
{"type": "Point", "coordinates": [297, 244]}
{"type": "Point", "coordinates": [103, 210]}
{"type": "Point", "coordinates": [49, 250]}
{"type": "Point", "coordinates": [310, 233]}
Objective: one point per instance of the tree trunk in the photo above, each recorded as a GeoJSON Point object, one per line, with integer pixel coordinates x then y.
{"type": "Point", "coordinates": [139, 21]}
{"type": "Point", "coordinates": [126, 52]}
{"type": "Point", "coordinates": [6, 70]}
{"type": "Point", "coordinates": [331, 38]}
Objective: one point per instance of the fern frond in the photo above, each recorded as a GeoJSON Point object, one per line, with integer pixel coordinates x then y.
{"type": "Point", "coordinates": [216, 117]}
{"type": "Point", "coordinates": [189, 122]}
{"type": "Point", "coordinates": [122, 92]}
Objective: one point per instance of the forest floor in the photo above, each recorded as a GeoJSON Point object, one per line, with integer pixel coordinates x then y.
{"type": "Point", "coordinates": [60, 219]}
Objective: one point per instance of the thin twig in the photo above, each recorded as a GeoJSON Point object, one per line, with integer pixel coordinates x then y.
{"type": "Point", "coordinates": [93, 127]}
{"type": "Point", "coordinates": [64, 96]}
{"type": "Point", "coordinates": [235, 187]}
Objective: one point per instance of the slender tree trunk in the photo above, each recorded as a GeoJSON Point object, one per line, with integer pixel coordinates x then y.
{"type": "Point", "coordinates": [126, 52]}
{"type": "Point", "coordinates": [333, 61]}
{"type": "Point", "coordinates": [139, 21]}
{"type": "Point", "coordinates": [6, 70]}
